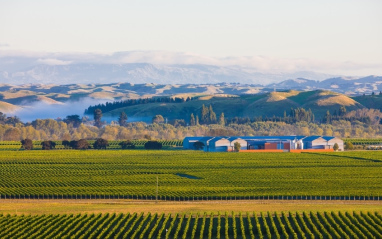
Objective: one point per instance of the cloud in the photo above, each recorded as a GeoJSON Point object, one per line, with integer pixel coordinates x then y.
{"type": "Point", "coordinates": [261, 64]}
{"type": "Point", "coordinates": [52, 61]}
{"type": "Point", "coordinates": [4, 45]}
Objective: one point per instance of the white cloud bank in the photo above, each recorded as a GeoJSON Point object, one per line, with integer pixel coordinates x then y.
{"type": "Point", "coordinates": [263, 64]}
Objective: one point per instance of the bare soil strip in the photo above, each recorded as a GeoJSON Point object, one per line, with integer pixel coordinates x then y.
{"type": "Point", "coordinates": [17, 206]}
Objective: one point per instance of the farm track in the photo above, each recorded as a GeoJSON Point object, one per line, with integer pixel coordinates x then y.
{"type": "Point", "coordinates": [151, 202]}
{"type": "Point", "coordinates": [60, 206]}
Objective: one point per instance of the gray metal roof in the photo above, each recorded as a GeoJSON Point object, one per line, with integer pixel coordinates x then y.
{"type": "Point", "coordinates": [328, 138]}
{"type": "Point", "coordinates": [216, 139]}
{"type": "Point", "coordinates": [311, 138]}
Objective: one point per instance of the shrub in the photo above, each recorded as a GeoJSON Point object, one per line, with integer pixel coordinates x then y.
{"type": "Point", "coordinates": [80, 144]}
{"type": "Point", "coordinates": [153, 145]}
{"type": "Point", "coordinates": [335, 147]}
{"type": "Point", "coordinates": [46, 145]}
{"type": "Point", "coordinates": [127, 145]}
{"type": "Point", "coordinates": [66, 144]}
{"type": "Point", "coordinates": [236, 146]}
{"type": "Point", "coordinates": [349, 146]}
{"type": "Point", "coordinates": [27, 144]}
{"type": "Point", "coordinates": [100, 144]}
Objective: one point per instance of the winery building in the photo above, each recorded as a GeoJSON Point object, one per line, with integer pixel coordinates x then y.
{"type": "Point", "coordinates": [264, 143]}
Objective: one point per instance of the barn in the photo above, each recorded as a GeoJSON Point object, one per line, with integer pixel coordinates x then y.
{"type": "Point", "coordinates": [188, 142]}
{"type": "Point", "coordinates": [218, 144]}
{"type": "Point", "coordinates": [243, 143]}
{"type": "Point", "coordinates": [332, 140]}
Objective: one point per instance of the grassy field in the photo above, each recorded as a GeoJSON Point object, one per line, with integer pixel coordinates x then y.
{"type": "Point", "coordinates": [189, 175]}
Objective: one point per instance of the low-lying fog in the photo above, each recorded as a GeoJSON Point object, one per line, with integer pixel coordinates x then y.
{"type": "Point", "coordinates": [42, 110]}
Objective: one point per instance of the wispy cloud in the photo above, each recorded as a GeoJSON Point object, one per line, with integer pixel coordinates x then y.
{"type": "Point", "coordinates": [52, 61]}
{"type": "Point", "coordinates": [4, 45]}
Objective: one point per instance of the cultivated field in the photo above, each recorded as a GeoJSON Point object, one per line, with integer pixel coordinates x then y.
{"type": "Point", "coordinates": [189, 175]}
{"type": "Point", "coordinates": [227, 225]}
{"type": "Point", "coordinates": [111, 194]}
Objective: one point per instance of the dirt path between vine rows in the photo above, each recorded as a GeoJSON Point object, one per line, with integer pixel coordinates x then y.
{"type": "Point", "coordinates": [55, 206]}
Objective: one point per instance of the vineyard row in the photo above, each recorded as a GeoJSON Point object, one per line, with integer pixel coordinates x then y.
{"type": "Point", "coordinates": [206, 225]}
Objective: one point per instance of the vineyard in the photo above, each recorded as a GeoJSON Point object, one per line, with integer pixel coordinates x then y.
{"type": "Point", "coordinates": [189, 175]}
{"type": "Point", "coordinates": [365, 142]}
{"type": "Point", "coordinates": [207, 225]}
{"type": "Point", "coordinates": [113, 144]}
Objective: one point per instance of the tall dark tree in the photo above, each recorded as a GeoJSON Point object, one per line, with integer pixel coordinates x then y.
{"type": "Point", "coordinates": [122, 120]}
{"type": "Point", "coordinates": [342, 111]}
{"type": "Point", "coordinates": [3, 118]}
{"type": "Point", "coordinates": [204, 119]}
{"type": "Point", "coordinates": [97, 118]}
{"type": "Point", "coordinates": [328, 118]}
{"type": "Point", "coordinates": [212, 115]}
{"type": "Point", "coordinates": [192, 119]}
{"type": "Point", "coordinates": [221, 119]}
{"type": "Point", "coordinates": [73, 119]}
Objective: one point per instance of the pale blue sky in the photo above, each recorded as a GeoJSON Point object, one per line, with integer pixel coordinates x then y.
{"type": "Point", "coordinates": [326, 30]}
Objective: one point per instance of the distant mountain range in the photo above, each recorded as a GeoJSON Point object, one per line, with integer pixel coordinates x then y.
{"type": "Point", "coordinates": [33, 72]}
{"type": "Point", "coordinates": [345, 85]}
{"type": "Point", "coordinates": [85, 73]}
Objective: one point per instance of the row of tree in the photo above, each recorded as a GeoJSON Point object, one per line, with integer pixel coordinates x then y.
{"type": "Point", "coordinates": [100, 143]}
{"type": "Point", "coordinates": [58, 130]}
{"type": "Point", "coordinates": [109, 106]}
{"type": "Point", "coordinates": [207, 116]}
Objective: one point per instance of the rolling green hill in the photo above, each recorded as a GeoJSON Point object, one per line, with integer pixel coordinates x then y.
{"type": "Point", "coordinates": [269, 104]}
{"type": "Point", "coordinates": [370, 101]}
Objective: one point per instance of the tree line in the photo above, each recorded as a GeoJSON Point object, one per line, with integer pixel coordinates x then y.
{"type": "Point", "coordinates": [109, 106]}
{"type": "Point", "coordinates": [99, 143]}
{"type": "Point", "coordinates": [299, 121]}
